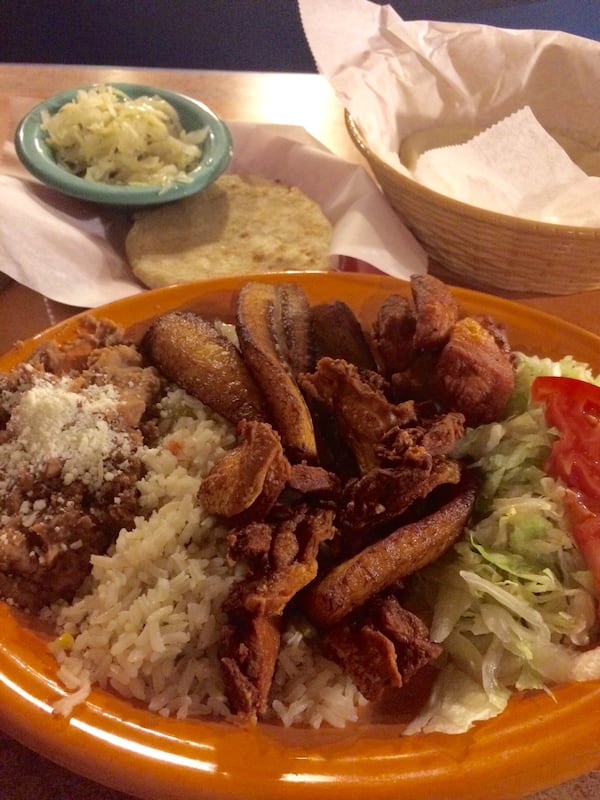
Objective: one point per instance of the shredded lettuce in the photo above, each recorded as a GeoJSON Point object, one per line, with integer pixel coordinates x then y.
{"type": "Point", "coordinates": [513, 603]}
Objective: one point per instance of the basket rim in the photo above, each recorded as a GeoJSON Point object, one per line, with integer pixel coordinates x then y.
{"type": "Point", "coordinates": [494, 218]}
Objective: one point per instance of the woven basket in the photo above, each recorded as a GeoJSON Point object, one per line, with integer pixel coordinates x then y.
{"type": "Point", "coordinates": [486, 249]}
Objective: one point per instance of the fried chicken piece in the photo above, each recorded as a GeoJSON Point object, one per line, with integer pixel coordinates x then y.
{"type": "Point", "coordinates": [337, 334]}
{"type": "Point", "coordinates": [252, 544]}
{"type": "Point", "coordinates": [362, 411]}
{"type": "Point", "coordinates": [375, 501]}
{"type": "Point", "coordinates": [413, 383]}
{"type": "Point", "coordinates": [404, 551]}
{"type": "Point", "coordinates": [414, 459]}
{"type": "Point", "coordinates": [427, 351]}
{"type": "Point", "coordinates": [255, 605]}
{"type": "Point", "coordinates": [408, 330]}
{"type": "Point", "coordinates": [291, 560]}
{"type": "Point", "coordinates": [268, 330]}
{"type": "Point", "coordinates": [474, 372]}
{"type": "Point", "coordinates": [250, 647]}
{"type": "Point", "coordinates": [393, 334]}
{"type": "Point", "coordinates": [437, 434]}
{"type": "Point", "coordinates": [190, 351]}
{"type": "Point", "coordinates": [248, 479]}
{"type": "Point", "coordinates": [246, 483]}
{"type": "Point", "coordinates": [307, 479]}
{"type": "Point", "coordinates": [436, 312]}
{"type": "Point", "coordinates": [383, 647]}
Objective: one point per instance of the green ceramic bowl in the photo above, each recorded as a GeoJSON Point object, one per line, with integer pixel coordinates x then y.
{"type": "Point", "coordinates": [34, 152]}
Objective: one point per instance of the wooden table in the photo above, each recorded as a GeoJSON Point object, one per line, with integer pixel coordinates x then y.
{"type": "Point", "coordinates": [295, 99]}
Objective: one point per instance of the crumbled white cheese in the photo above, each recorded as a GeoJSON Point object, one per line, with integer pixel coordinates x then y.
{"type": "Point", "coordinates": [53, 425]}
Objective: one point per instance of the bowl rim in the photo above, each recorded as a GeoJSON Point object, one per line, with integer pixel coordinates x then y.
{"type": "Point", "coordinates": [483, 215]}
{"type": "Point", "coordinates": [36, 157]}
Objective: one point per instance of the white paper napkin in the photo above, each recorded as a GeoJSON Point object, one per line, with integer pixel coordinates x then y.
{"type": "Point", "coordinates": [72, 251]}
{"type": "Point", "coordinates": [59, 248]}
{"type": "Point", "coordinates": [514, 167]}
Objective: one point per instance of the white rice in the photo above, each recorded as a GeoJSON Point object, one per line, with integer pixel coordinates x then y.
{"type": "Point", "coordinates": [146, 623]}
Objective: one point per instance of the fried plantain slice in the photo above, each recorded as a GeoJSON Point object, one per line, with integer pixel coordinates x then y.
{"type": "Point", "coordinates": [264, 346]}
{"type": "Point", "coordinates": [381, 564]}
{"type": "Point", "coordinates": [292, 328]}
{"type": "Point", "coordinates": [191, 352]}
{"type": "Point", "coordinates": [338, 334]}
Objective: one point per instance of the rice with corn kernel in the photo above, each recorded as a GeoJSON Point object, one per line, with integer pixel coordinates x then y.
{"type": "Point", "coordinates": [147, 621]}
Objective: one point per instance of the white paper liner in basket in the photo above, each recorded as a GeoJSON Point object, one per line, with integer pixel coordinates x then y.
{"type": "Point", "coordinates": [396, 78]}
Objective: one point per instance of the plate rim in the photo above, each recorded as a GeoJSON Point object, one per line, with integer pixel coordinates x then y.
{"type": "Point", "coordinates": [227, 762]}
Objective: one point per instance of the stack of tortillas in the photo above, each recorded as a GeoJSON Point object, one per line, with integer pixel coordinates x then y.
{"type": "Point", "coordinates": [240, 224]}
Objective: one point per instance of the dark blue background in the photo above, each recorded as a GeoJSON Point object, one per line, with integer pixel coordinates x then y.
{"type": "Point", "coordinates": [227, 34]}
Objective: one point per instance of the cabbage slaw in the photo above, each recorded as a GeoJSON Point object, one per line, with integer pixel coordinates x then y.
{"type": "Point", "coordinates": [104, 135]}
{"type": "Point", "coordinates": [512, 604]}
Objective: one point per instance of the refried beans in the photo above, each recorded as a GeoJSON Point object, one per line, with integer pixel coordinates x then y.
{"type": "Point", "coordinates": [72, 420]}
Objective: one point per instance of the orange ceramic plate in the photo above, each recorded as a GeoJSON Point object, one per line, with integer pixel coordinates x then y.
{"type": "Point", "coordinates": [539, 741]}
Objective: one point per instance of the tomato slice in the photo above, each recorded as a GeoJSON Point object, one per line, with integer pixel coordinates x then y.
{"type": "Point", "coordinates": [585, 529]}
{"type": "Point", "coordinates": [573, 408]}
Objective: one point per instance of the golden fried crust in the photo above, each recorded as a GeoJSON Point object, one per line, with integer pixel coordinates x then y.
{"type": "Point", "coordinates": [474, 373]}
{"type": "Point", "coordinates": [436, 311]}
{"type": "Point", "coordinates": [191, 352]}
{"type": "Point", "coordinates": [393, 334]}
{"type": "Point", "coordinates": [255, 605]}
{"type": "Point", "coordinates": [384, 647]}
{"type": "Point", "coordinates": [258, 322]}
{"type": "Point", "coordinates": [362, 412]}
{"type": "Point", "coordinates": [248, 478]}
